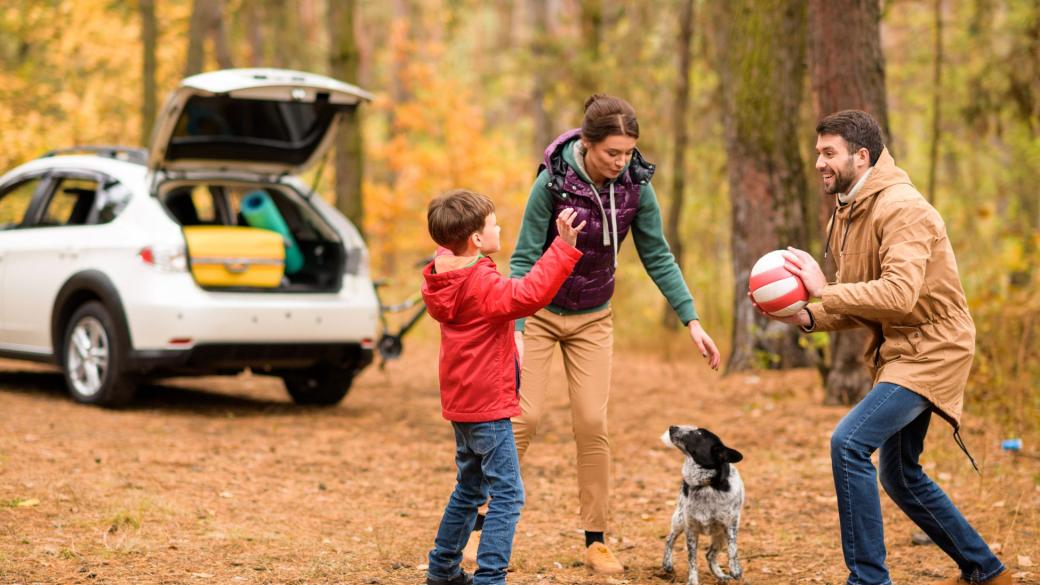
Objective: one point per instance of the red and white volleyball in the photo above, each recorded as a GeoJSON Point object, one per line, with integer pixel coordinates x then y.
{"type": "Point", "coordinates": [777, 291]}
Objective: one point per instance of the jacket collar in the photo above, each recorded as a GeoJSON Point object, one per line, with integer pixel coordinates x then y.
{"type": "Point", "coordinates": [556, 156]}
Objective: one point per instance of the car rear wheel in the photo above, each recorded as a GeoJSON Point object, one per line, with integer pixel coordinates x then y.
{"type": "Point", "coordinates": [94, 357]}
{"type": "Point", "coordinates": [321, 385]}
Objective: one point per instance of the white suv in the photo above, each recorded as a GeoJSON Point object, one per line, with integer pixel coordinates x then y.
{"type": "Point", "coordinates": [96, 277]}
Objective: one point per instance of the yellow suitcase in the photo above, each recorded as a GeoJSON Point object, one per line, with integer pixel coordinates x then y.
{"type": "Point", "coordinates": [232, 256]}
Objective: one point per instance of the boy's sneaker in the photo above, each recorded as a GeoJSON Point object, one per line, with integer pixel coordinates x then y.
{"type": "Point", "coordinates": [463, 578]}
{"type": "Point", "coordinates": [599, 559]}
{"type": "Point", "coordinates": [469, 554]}
{"type": "Point", "coordinates": [1002, 579]}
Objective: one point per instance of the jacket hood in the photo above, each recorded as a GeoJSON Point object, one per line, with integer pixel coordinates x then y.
{"type": "Point", "coordinates": [444, 291]}
{"type": "Point", "coordinates": [557, 159]}
{"type": "Point", "coordinates": [884, 175]}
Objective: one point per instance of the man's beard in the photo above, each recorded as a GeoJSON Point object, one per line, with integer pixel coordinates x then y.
{"type": "Point", "coordinates": [842, 179]}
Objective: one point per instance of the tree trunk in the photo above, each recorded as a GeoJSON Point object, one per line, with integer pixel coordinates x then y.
{"type": "Point", "coordinates": [287, 33]}
{"type": "Point", "coordinates": [219, 30]}
{"type": "Point", "coordinates": [207, 20]}
{"type": "Point", "coordinates": [680, 141]}
{"type": "Point", "coordinates": [937, 95]}
{"type": "Point", "coordinates": [848, 71]}
{"type": "Point", "coordinates": [349, 155]}
{"type": "Point", "coordinates": [540, 44]}
{"type": "Point", "coordinates": [761, 58]}
{"type": "Point", "coordinates": [149, 34]}
{"type": "Point", "coordinates": [589, 68]}
{"type": "Point", "coordinates": [255, 33]}
{"type": "Point", "coordinates": [196, 37]}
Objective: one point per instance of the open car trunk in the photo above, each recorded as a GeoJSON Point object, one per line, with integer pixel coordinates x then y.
{"type": "Point", "coordinates": [320, 258]}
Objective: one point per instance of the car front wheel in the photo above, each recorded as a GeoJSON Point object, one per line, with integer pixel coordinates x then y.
{"type": "Point", "coordinates": [93, 358]}
{"type": "Point", "coordinates": [321, 385]}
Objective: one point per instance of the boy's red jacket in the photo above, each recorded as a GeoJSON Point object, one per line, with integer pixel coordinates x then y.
{"type": "Point", "coordinates": [479, 366]}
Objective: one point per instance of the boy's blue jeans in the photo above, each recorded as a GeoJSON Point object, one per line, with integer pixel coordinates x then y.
{"type": "Point", "coordinates": [485, 455]}
{"type": "Point", "coordinates": [895, 420]}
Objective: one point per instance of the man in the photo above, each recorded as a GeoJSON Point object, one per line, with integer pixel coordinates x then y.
{"type": "Point", "coordinates": [897, 277]}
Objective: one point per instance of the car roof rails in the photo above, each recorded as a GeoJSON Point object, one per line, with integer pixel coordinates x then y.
{"type": "Point", "coordinates": [132, 154]}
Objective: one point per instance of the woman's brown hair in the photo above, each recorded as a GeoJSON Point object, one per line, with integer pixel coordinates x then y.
{"type": "Point", "coordinates": [608, 116]}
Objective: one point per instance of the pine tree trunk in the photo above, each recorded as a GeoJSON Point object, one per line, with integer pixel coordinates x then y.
{"type": "Point", "coordinates": [761, 53]}
{"type": "Point", "coordinates": [219, 30]}
{"type": "Point", "coordinates": [255, 33]}
{"type": "Point", "coordinates": [540, 43]}
{"type": "Point", "coordinates": [149, 34]}
{"type": "Point", "coordinates": [588, 70]}
{"type": "Point", "coordinates": [287, 33]}
{"type": "Point", "coordinates": [680, 142]}
{"type": "Point", "coordinates": [937, 95]}
{"type": "Point", "coordinates": [196, 37]}
{"type": "Point", "coordinates": [848, 71]}
{"type": "Point", "coordinates": [349, 155]}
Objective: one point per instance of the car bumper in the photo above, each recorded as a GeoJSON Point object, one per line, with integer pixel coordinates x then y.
{"type": "Point", "coordinates": [220, 358]}
{"type": "Point", "coordinates": [172, 313]}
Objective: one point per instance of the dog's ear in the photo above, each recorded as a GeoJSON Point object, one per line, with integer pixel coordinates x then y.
{"type": "Point", "coordinates": [721, 480]}
{"type": "Point", "coordinates": [733, 456]}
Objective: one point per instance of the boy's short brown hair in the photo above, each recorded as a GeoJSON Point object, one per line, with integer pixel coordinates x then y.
{"type": "Point", "coordinates": [454, 216]}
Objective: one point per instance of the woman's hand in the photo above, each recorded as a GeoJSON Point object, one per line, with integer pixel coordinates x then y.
{"type": "Point", "coordinates": [705, 344]}
{"type": "Point", "coordinates": [568, 233]}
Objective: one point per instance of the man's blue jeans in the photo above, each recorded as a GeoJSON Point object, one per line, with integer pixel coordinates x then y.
{"type": "Point", "coordinates": [895, 420]}
{"type": "Point", "coordinates": [485, 455]}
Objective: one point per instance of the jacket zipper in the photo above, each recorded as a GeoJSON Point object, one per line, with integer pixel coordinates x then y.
{"type": "Point", "coordinates": [845, 234]}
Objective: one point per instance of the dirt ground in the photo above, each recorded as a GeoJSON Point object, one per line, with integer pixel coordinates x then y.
{"type": "Point", "coordinates": [222, 480]}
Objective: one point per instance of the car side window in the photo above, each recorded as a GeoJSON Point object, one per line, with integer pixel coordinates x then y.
{"type": "Point", "coordinates": [71, 202]}
{"type": "Point", "coordinates": [14, 203]}
{"type": "Point", "coordinates": [114, 197]}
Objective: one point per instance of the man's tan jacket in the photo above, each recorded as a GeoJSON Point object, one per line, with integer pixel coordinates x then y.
{"type": "Point", "coordinates": [897, 277]}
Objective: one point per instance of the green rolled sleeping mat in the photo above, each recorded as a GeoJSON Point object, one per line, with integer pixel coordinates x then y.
{"type": "Point", "coordinates": [260, 212]}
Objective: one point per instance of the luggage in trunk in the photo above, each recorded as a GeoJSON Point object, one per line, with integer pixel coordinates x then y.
{"type": "Point", "coordinates": [232, 256]}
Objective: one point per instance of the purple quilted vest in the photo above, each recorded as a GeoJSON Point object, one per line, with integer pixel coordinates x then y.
{"type": "Point", "coordinates": [592, 282]}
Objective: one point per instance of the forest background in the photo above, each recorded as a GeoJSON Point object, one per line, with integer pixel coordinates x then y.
{"type": "Point", "coordinates": [469, 92]}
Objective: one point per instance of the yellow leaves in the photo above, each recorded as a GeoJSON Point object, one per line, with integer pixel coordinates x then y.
{"type": "Point", "coordinates": [438, 140]}
{"type": "Point", "coordinates": [20, 503]}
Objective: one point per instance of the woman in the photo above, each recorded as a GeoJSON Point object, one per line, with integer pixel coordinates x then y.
{"type": "Point", "coordinates": [597, 171]}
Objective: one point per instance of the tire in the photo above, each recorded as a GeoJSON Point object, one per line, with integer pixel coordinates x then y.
{"type": "Point", "coordinates": [94, 356]}
{"type": "Point", "coordinates": [321, 385]}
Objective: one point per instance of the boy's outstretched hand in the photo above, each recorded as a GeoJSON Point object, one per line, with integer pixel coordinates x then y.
{"type": "Point", "coordinates": [568, 232]}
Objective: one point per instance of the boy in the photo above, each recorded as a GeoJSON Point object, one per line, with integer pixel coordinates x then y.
{"type": "Point", "coordinates": [480, 373]}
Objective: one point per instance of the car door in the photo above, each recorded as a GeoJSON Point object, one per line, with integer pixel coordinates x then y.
{"type": "Point", "coordinates": [44, 255]}
{"type": "Point", "coordinates": [18, 198]}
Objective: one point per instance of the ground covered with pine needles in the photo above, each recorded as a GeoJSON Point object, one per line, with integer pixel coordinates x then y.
{"type": "Point", "coordinates": [223, 480]}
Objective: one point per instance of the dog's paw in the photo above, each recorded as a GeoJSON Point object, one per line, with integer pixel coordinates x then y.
{"type": "Point", "coordinates": [667, 569]}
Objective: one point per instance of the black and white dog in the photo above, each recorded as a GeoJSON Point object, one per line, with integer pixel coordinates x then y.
{"type": "Point", "coordinates": [710, 500]}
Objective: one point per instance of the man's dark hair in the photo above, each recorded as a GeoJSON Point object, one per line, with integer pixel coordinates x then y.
{"type": "Point", "coordinates": [456, 215]}
{"type": "Point", "coordinates": [858, 128]}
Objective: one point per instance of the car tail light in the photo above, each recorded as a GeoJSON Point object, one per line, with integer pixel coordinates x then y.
{"type": "Point", "coordinates": [367, 343]}
{"type": "Point", "coordinates": [167, 258]}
